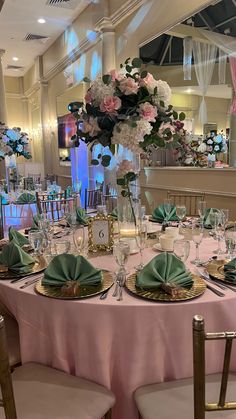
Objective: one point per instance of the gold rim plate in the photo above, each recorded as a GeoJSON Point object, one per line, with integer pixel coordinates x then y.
{"type": "Point", "coordinates": [39, 266]}
{"type": "Point", "coordinates": [215, 268]}
{"type": "Point", "coordinates": [196, 290]}
{"type": "Point", "coordinates": [82, 292]}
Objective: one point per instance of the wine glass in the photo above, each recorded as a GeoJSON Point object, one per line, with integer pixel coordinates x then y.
{"type": "Point", "coordinates": [181, 213]}
{"type": "Point", "coordinates": [78, 238]}
{"type": "Point", "coordinates": [197, 236]}
{"type": "Point", "coordinates": [181, 249]}
{"type": "Point", "coordinates": [224, 217]}
{"type": "Point", "coordinates": [61, 246]}
{"type": "Point", "coordinates": [141, 238]}
{"type": "Point", "coordinates": [167, 207]}
{"type": "Point", "coordinates": [202, 206]}
{"type": "Point", "coordinates": [230, 241]}
{"type": "Point", "coordinates": [36, 241]}
{"type": "Point", "coordinates": [219, 233]}
{"type": "Point", "coordinates": [121, 252]}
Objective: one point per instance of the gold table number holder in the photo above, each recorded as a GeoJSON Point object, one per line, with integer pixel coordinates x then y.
{"type": "Point", "coordinates": [100, 233]}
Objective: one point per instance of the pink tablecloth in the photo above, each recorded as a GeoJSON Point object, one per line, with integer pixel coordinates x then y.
{"type": "Point", "coordinates": [18, 215]}
{"type": "Point", "coordinates": [121, 345]}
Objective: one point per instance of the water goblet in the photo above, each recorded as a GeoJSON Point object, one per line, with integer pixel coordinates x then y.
{"type": "Point", "coordinates": [230, 241]}
{"type": "Point", "coordinates": [141, 238]}
{"type": "Point", "coordinates": [224, 217]}
{"type": "Point", "coordinates": [78, 238]}
{"type": "Point", "coordinates": [121, 251]}
{"type": "Point", "coordinates": [181, 213]}
{"type": "Point", "coordinates": [181, 249]}
{"type": "Point", "coordinates": [36, 241]}
{"type": "Point", "coordinates": [219, 236]}
{"type": "Point", "coordinates": [202, 206]}
{"type": "Point", "coordinates": [197, 236]}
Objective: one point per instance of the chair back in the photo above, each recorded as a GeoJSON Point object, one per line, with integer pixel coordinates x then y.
{"type": "Point", "coordinates": [199, 339]}
{"type": "Point", "coordinates": [53, 205]}
{"type": "Point", "coordinates": [35, 176]}
{"type": "Point", "coordinates": [1, 220]}
{"type": "Point", "coordinates": [190, 200]}
{"type": "Point", "coordinates": [111, 202]}
{"type": "Point", "coordinates": [93, 197]}
{"type": "Point", "coordinates": [7, 402]}
{"type": "Point", "coordinates": [29, 184]}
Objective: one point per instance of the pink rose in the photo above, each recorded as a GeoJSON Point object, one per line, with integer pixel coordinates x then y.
{"type": "Point", "coordinates": [166, 126]}
{"type": "Point", "coordinates": [115, 75]}
{"type": "Point", "coordinates": [128, 86]}
{"type": "Point", "coordinates": [124, 167]}
{"type": "Point", "coordinates": [110, 104]}
{"type": "Point", "coordinates": [88, 97]}
{"type": "Point", "coordinates": [148, 112]}
{"type": "Point", "coordinates": [146, 81]}
{"type": "Point", "coordinates": [91, 127]}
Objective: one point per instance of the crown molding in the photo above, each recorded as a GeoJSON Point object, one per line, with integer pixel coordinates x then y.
{"type": "Point", "coordinates": [125, 10]}
{"type": "Point", "coordinates": [76, 53]}
{"type": "Point", "coordinates": [14, 95]}
{"type": "Point", "coordinates": [33, 89]}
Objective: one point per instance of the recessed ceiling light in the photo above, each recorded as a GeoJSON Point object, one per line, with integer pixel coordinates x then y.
{"type": "Point", "coordinates": [15, 58]}
{"type": "Point", "coordinates": [188, 90]}
{"type": "Point", "coordinates": [41, 20]}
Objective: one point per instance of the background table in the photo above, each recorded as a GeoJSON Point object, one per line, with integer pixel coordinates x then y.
{"type": "Point", "coordinates": [121, 345]}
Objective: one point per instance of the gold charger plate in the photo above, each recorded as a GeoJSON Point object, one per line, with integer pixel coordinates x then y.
{"type": "Point", "coordinates": [82, 292]}
{"type": "Point", "coordinates": [215, 268]}
{"type": "Point", "coordinates": [39, 266]}
{"type": "Point", "coordinates": [197, 289]}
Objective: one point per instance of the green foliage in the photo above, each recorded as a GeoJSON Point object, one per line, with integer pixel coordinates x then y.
{"type": "Point", "coordinates": [106, 79]}
{"type": "Point", "coordinates": [182, 116]}
{"type": "Point", "coordinates": [106, 160]}
{"type": "Point", "coordinates": [86, 80]}
{"type": "Point", "coordinates": [94, 162]}
{"type": "Point", "coordinates": [137, 62]}
{"type": "Point", "coordinates": [143, 74]}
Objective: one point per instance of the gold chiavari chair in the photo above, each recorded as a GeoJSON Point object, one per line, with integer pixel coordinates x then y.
{"type": "Point", "coordinates": [93, 197]}
{"type": "Point", "coordinates": [36, 391]}
{"type": "Point", "coordinates": [186, 399]}
{"type": "Point", "coordinates": [190, 200]}
{"type": "Point", "coordinates": [53, 205]}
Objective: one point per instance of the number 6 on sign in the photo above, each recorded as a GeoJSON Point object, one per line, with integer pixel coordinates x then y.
{"type": "Point", "coordinates": [100, 233]}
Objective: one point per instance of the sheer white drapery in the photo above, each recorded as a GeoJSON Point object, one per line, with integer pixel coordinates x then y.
{"type": "Point", "coordinates": [224, 42]}
{"type": "Point", "coordinates": [187, 58]}
{"type": "Point", "coordinates": [204, 61]}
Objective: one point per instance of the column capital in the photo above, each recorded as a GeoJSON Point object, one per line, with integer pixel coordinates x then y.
{"type": "Point", "coordinates": [105, 25]}
{"type": "Point", "coordinates": [2, 52]}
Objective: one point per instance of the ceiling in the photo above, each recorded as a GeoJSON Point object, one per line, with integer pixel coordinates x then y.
{"type": "Point", "coordinates": [18, 18]}
{"type": "Point", "coordinates": [167, 50]}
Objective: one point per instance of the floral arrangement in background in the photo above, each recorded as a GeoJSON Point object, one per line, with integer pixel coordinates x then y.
{"type": "Point", "coordinates": [129, 108]}
{"type": "Point", "coordinates": [13, 141]}
{"type": "Point", "coordinates": [214, 143]}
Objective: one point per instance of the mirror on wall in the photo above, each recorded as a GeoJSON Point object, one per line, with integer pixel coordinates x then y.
{"type": "Point", "coordinates": [66, 126]}
{"type": "Point", "coordinates": [165, 55]}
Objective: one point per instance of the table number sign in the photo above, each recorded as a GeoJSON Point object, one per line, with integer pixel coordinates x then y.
{"type": "Point", "coordinates": [100, 233]}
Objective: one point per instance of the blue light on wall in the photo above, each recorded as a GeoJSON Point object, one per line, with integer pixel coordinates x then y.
{"type": "Point", "coordinates": [79, 168]}
{"type": "Point", "coordinates": [79, 69]}
{"type": "Point", "coordinates": [96, 65]}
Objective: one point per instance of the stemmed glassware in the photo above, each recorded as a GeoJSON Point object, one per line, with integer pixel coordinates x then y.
{"type": "Point", "coordinates": [141, 238]}
{"type": "Point", "coordinates": [167, 207]}
{"type": "Point", "coordinates": [36, 241]}
{"type": "Point", "coordinates": [181, 249]}
{"type": "Point", "coordinates": [202, 206]}
{"type": "Point", "coordinates": [230, 241]}
{"type": "Point", "coordinates": [79, 239]}
{"type": "Point", "coordinates": [197, 236]}
{"type": "Point", "coordinates": [121, 251]}
{"type": "Point", "coordinates": [181, 213]}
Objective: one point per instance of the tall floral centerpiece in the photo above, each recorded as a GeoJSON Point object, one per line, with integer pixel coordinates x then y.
{"type": "Point", "coordinates": [13, 143]}
{"type": "Point", "coordinates": [131, 109]}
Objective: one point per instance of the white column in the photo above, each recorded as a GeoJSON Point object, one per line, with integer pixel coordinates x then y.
{"type": "Point", "coordinates": [3, 106]}
{"type": "Point", "coordinates": [108, 50]}
{"type": "Point", "coordinates": [46, 135]}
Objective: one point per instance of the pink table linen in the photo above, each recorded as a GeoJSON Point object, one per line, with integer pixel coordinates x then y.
{"type": "Point", "coordinates": [121, 345]}
{"type": "Point", "coordinates": [18, 215]}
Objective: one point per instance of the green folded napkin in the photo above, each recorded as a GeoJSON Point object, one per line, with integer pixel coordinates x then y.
{"type": "Point", "coordinates": [81, 216]}
{"type": "Point", "coordinates": [230, 270]}
{"type": "Point", "coordinates": [114, 213]}
{"type": "Point", "coordinates": [26, 198]}
{"type": "Point", "coordinates": [18, 238]}
{"type": "Point", "coordinates": [159, 214]}
{"type": "Point", "coordinates": [69, 192]}
{"type": "Point", "coordinates": [16, 259]}
{"type": "Point", "coordinates": [68, 267]}
{"type": "Point", "coordinates": [208, 219]}
{"type": "Point", "coordinates": [164, 269]}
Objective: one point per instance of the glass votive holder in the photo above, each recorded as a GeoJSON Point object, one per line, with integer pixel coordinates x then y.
{"type": "Point", "coordinates": [61, 246]}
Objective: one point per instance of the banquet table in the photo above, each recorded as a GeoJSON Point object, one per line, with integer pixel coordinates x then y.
{"type": "Point", "coordinates": [18, 215]}
{"type": "Point", "coordinates": [121, 345]}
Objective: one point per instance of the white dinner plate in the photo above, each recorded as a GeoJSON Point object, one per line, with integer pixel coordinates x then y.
{"type": "Point", "coordinates": [158, 247]}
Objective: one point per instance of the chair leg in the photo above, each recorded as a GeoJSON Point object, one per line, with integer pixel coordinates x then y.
{"type": "Point", "coordinates": [108, 415]}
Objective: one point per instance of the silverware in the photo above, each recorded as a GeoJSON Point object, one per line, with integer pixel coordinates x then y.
{"type": "Point", "coordinates": [104, 294]}
{"type": "Point", "coordinates": [120, 294]}
{"type": "Point", "coordinates": [28, 283]}
{"type": "Point", "coordinates": [23, 278]}
{"type": "Point", "coordinates": [215, 291]}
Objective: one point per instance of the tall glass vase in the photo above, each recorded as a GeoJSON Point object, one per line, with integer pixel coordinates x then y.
{"type": "Point", "coordinates": [11, 172]}
{"type": "Point", "coordinates": [128, 206]}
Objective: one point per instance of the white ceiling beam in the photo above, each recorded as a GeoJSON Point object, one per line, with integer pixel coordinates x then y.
{"type": "Point", "coordinates": [181, 31]}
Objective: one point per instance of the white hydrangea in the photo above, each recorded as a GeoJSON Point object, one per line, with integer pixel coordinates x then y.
{"type": "Point", "coordinates": [99, 90]}
{"type": "Point", "coordinates": [163, 92]}
{"type": "Point", "coordinates": [129, 136]}
{"type": "Point", "coordinates": [202, 148]}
